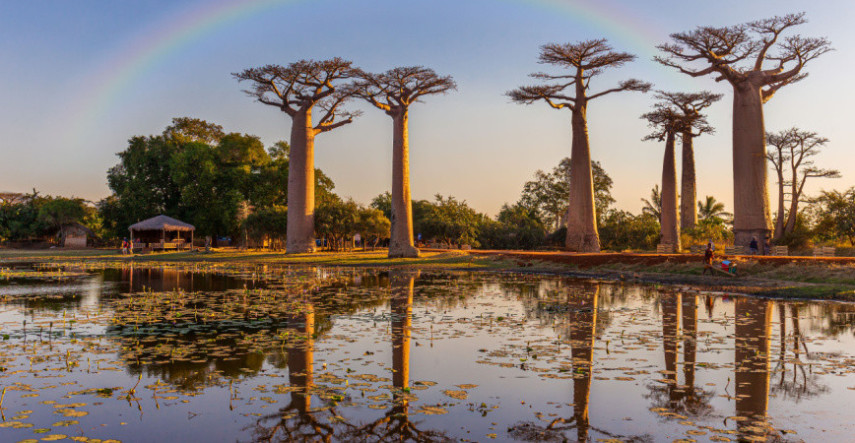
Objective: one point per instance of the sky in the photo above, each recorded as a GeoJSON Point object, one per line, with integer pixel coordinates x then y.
{"type": "Point", "coordinates": [78, 79]}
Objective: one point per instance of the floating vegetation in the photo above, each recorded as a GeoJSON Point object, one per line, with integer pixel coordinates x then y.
{"type": "Point", "coordinates": [218, 351]}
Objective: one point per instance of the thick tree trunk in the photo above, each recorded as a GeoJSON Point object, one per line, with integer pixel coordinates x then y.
{"type": "Point", "coordinates": [582, 235]}
{"type": "Point", "coordinates": [300, 232]}
{"type": "Point", "coordinates": [751, 217]}
{"type": "Point", "coordinates": [402, 305]}
{"type": "Point", "coordinates": [669, 219]}
{"type": "Point", "coordinates": [688, 187]}
{"type": "Point", "coordinates": [779, 219]}
{"type": "Point", "coordinates": [401, 244]}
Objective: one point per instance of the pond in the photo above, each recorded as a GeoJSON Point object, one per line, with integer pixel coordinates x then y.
{"type": "Point", "coordinates": [264, 353]}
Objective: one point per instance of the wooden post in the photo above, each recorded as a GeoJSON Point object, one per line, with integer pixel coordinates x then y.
{"type": "Point", "coordinates": [191, 240]}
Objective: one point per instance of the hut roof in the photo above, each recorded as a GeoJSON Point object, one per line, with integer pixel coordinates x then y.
{"type": "Point", "coordinates": [79, 228]}
{"type": "Point", "coordinates": [161, 222]}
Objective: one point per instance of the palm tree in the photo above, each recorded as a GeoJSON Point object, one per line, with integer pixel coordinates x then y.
{"type": "Point", "coordinates": [712, 209]}
{"type": "Point", "coordinates": [654, 205]}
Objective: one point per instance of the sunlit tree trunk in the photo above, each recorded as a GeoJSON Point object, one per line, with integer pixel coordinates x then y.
{"type": "Point", "coordinates": [401, 244]}
{"type": "Point", "coordinates": [582, 235]}
{"type": "Point", "coordinates": [690, 339]}
{"type": "Point", "coordinates": [751, 217]}
{"type": "Point", "coordinates": [671, 304]}
{"type": "Point", "coordinates": [794, 204]}
{"type": "Point", "coordinates": [779, 219]}
{"type": "Point", "coordinates": [300, 232]}
{"type": "Point", "coordinates": [669, 220]}
{"type": "Point", "coordinates": [688, 191]}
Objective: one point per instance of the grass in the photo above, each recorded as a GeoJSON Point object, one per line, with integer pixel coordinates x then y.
{"type": "Point", "coordinates": [791, 280]}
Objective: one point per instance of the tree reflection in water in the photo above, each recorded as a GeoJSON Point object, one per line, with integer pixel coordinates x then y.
{"type": "Point", "coordinates": [751, 360]}
{"type": "Point", "coordinates": [686, 399]}
{"type": "Point", "coordinates": [794, 384]}
{"type": "Point", "coordinates": [581, 319]}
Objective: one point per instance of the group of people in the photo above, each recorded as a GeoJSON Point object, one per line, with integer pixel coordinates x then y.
{"type": "Point", "coordinates": [127, 247]}
{"type": "Point", "coordinates": [728, 266]}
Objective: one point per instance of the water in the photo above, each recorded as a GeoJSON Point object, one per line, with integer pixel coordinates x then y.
{"type": "Point", "coordinates": [232, 353]}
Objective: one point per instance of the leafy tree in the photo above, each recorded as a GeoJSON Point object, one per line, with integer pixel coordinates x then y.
{"type": "Point", "coordinates": [383, 202]}
{"type": "Point", "coordinates": [268, 223]}
{"type": "Point", "coordinates": [653, 206]}
{"type": "Point", "coordinates": [711, 209]}
{"type": "Point", "coordinates": [373, 226]}
{"type": "Point", "coordinates": [58, 212]}
{"type": "Point", "coordinates": [836, 215]}
{"type": "Point", "coordinates": [622, 230]}
{"type": "Point", "coordinates": [452, 221]}
{"type": "Point", "coordinates": [280, 150]}
{"type": "Point", "coordinates": [189, 130]}
{"type": "Point", "coordinates": [337, 221]}
{"type": "Point", "coordinates": [549, 193]}
{"type": "Point", "coordinates": [516, 227]}
{"type": "Point", "coordinates": [206, 200]}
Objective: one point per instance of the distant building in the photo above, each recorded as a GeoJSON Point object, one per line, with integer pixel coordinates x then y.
{"type": "Point", "coordinates": [75, 235]}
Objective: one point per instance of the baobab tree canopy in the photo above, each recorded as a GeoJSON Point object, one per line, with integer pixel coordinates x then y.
{"type": "Point", "coordinates": [689, 106]}
{"type": "Point", "coordinates": [401, 87]}
{"type": "Point", "coordinates": [302, 85]}
{"type": "Point", "coordinates": [393, 92]}
{"type": "Point", "coordinates": [583, 61]}
{"type": "Point", "coordinates": [757, 60]}
{"type": "Point", "coordinates": [740, 53]}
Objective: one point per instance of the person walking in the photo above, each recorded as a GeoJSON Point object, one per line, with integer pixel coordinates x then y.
{"type": "Point", "coordinates": [708, 257]}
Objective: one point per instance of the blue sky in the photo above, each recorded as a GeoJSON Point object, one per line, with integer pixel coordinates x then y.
{"type": "Point", "coordinates": [473, 144]}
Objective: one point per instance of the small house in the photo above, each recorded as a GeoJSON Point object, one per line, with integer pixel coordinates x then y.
{"type": "Point", "coordinates": [75, 235]}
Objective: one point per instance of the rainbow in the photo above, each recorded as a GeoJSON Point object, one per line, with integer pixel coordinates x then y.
{"type": "Point", "coordinates": [168, 37]}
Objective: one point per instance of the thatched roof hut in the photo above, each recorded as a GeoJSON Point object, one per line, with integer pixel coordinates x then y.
{"type": "Point", "coordinates": [162, 223]}
{"type": "Point", "coordinates": [75, 235]}
{"type": "Point", "coordinates": [156, 228]}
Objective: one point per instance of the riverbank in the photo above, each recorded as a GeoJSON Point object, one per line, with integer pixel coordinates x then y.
{"type": "Point", "coordinates": [788, 277]}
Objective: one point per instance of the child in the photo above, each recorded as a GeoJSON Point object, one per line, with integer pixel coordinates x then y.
{"type": "Point", "coordinates": [708, 256]}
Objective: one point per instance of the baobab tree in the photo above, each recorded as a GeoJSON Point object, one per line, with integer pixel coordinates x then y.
{"type": "Point", "coordinates": [667, 122]}
{"type": "Point", "coordinates": [296, 90]}
{"type": "Point", "coordinates": [689, 106]}
{"type": "Point", "coordinates": [793, 149]}
{"type": "Point", "coordinates": [740, 55]}
{"type": "Point", "coordinates": [393, 92]}
{"type": "Point", "coordinates": [583, 61]}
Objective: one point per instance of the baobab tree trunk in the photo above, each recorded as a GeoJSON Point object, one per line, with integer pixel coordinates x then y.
{"type": "Point", "coordinates": [751, 217]}
{"type": "Point", "coordinates": [669, 220]}
{"type": "Point", "coordinates": [582, 235]}
{"type": "Point", "coordinates": [300, 232]}
{"type": "Point", "coordinates": [401, 243]}
{"type": "Point", "coordinates": [779, 219]}
{"type": "Point", "coordinates": [688, 188]}
{"type": "Point", "coordinates": [794, 210]}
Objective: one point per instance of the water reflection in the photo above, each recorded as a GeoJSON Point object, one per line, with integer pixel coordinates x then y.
{"type": "Point", "coordinates": [270, 349]}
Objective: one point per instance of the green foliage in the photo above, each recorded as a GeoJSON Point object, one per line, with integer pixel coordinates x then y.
{"type": "Point", "coordinates": [835, 215]}
{"type": "Point", "coordinates": [196, 172]}
{"type": "Point", "coordinates": [622, 230]}
{"type": "Point", "coordinates": [452, 221]}
{"type": "Point", "coordinates": [268, 222]}
{"type": "Point", "coordinates": [516, 227]}
{"type": "Point", "coordinates": [549, 193]}
{"type": "Point", "coordinates": [653, 206]}
{"type": "Point", "coordinates": [713, 210]}
{"type": "Point", "coordinates": [37, 217]}
{"type": "Point", "coordinates": [337, 221]}
{"type": "Point", "coordinates": [383, 203]}
{"type": "Point", "coordinates": [373, 225]}
{"type": "Point", "coordinates": [710, 228]}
